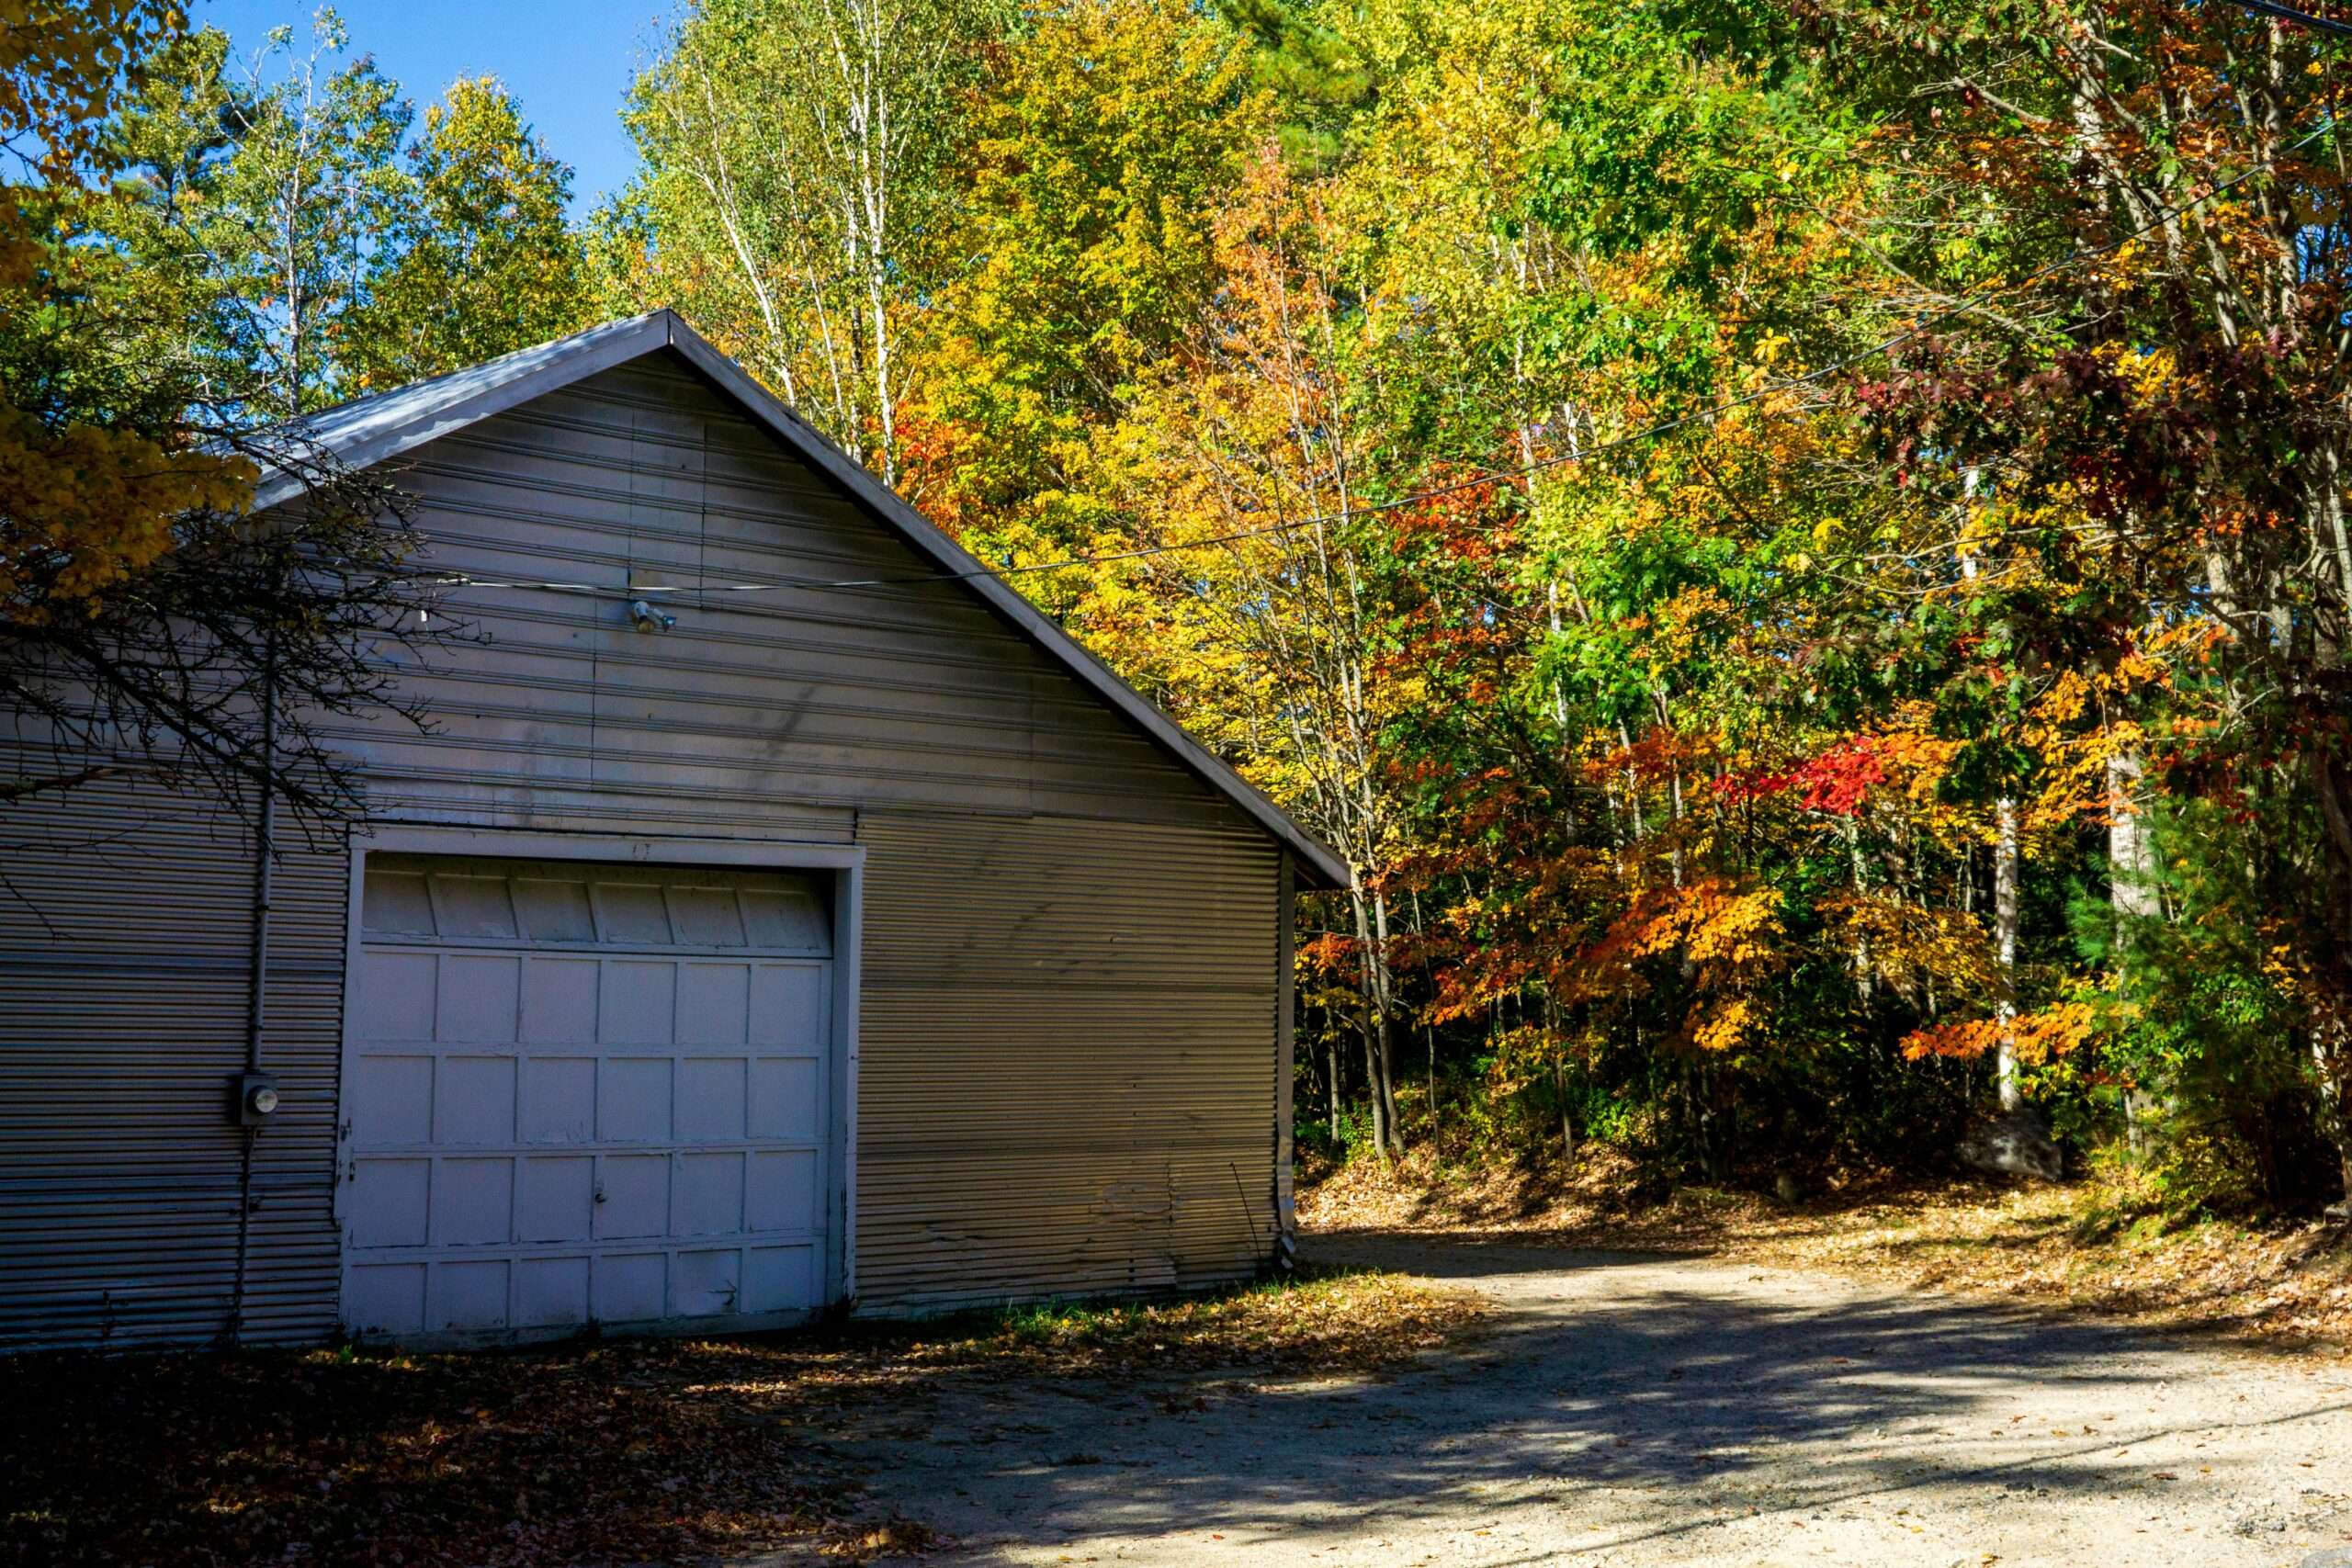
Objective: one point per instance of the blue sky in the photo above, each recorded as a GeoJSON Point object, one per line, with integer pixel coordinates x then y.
{"type": "Point", "coordinates": [568, 63]}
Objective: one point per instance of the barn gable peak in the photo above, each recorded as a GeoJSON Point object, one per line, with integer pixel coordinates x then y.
{"type": "Point", "coordinates": [382, 427]}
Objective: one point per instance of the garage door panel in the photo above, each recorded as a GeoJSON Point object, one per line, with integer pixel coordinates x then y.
{"type": "Point", "coordinates": [780, 1278]}
{"type": "Point", "coordinates": [710, 1194]}
{"type": "Point", "coordinates": [707, 1283]}
{"type": "Point", "coordinates": [394, 996]}
{"type": "Point", "coordinates": [466, 905]}
{"type": "Point", "coordinates": [473, 1202]}
{"type": "Point", "coordinates": [631, 912]}
{"type": "Point", "coordinates": [390, 1202]}
{"type": "Point", "coordinates": [781, 1190]}
{"type": "Point", "coordinates": [633, 1099]}
{"type": "Point", "coordinates": [391, 1100]}
{"type": "Point", "coordinates": [559, 1001]}
{"type": "Point", "coordinates": [711, 1104]}
{"type": "Point", "coordinates": [551, 910]}
{"type": "Point", "coordinates": [631, 1289]}
{"type": "Point", "coordinates": [474, 1103]}
{"type": "Point", "coordinates": [705, 916]}
{"type": "Point", "coordinates": [786, 1097]}
{"type": "Point", "coordinates": [550, 1293]}
{"type": "Point", "coordinates": [558, 1199]}
{"type": "Point", "coordinates": [584, 1094]}
{"type": "Point", "coordinates": [633, 1197]}
{"type": "Point", "coordinates": [559, 1099]}
{"type": "Point", "coordinates": [784, 919]}
{"type": "Point", "coordinates": [788, 1006]}
{"type": "Point", "coordinates": [384, 1298]}
{"type": "Point", "coordinates": [398, 902]}
{"type": "Point", "coordinates": [481, 999]}
{"type": "Point", "coordinates": [638, 1004]}
{"type": "Point", "coordinates": [714, 1004]}
{"type": "Point", "coordinates": [470, 1295]}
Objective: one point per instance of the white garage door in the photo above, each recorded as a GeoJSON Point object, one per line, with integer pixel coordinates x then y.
{"type": "Point", "coordinates": [581, 1093]}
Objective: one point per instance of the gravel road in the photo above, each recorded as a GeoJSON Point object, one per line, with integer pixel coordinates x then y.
{"type": "Point", "coordinates": [1643, 1410]}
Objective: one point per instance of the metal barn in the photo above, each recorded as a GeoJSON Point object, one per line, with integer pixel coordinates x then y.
{"type": "Point", "coordinates": [831, 948]}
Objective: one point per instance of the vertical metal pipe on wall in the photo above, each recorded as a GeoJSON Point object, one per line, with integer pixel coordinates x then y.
{"type": "Point", "coordinates": [257, 979]}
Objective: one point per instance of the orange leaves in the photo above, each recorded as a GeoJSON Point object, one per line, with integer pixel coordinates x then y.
{"type": "Point", "coordinates": [1330, 954]}
{"type": "Point", "coordinates": [61, 64]}
{"type": "Point", "coordinates": [1719, 924]}
{"type": "Point", "coordinates": [1729, 933]}
{"type": "Point", "coordinates": [1713, 921]}
{"type": "Point", "coordinates": [2039, 1037]}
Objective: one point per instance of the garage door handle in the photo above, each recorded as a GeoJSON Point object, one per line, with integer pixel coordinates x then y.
{"type": "Point", "coordinates": [600, 1192]}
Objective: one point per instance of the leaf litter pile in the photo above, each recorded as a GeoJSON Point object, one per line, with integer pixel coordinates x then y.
{"type": "Point", "coordinates": [612, 1451]}
{"type": "Point", "coordinates": [2099, 1247]}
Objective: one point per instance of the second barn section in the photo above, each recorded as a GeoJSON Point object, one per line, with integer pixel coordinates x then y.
{"type": "Point", "coordinates": [778, 914]}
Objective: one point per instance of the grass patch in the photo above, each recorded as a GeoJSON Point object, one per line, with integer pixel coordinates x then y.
{"type": "Point", "coordinates": [622, 1451]}
{"type": "Point", "coordinates": [1320, 1320]}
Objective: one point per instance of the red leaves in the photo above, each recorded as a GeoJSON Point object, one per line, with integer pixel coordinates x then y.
{"type": "Point", "coordinates": [1837, 781]}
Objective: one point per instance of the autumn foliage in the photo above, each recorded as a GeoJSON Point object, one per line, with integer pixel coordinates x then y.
{"type": "Point", "coordinates": [1798, 550]}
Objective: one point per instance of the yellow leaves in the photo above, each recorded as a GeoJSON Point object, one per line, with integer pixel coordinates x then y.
{"type": "Point", "coordinates": [1684, 622]}
{"type": "Point", "coordinates": [1723, 927]}
{"type": "Point", "coordinates": [59, 63]}
{"type": "Point", "coordinates": [1726, 1027]}
{"type": "Point", "coordinates": [83, 508]}
{"type": "Point", "coordinates": [1911, 948]}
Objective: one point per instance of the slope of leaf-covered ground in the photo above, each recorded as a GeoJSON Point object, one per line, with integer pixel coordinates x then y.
{"type": "Point", "coordinates": [2101, 1246]}
{"type": "Point", "coordinates": [619, 1452]}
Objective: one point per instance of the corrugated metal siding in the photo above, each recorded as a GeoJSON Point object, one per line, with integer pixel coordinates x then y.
{"type": "Point", "coordinates": [762, 710]}
{"type": "Point", "coordinates": [1068, 1081]}
{"type": "Point", "coordinates": [1067, 1049]}
{"type": "Point", "coordinates": [123, 970]}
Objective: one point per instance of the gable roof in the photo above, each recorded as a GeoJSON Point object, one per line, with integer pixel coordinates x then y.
{"type": "Point", "coordinates": [374, 429]}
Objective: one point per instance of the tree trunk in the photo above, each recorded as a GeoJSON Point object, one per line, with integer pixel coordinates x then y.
{"type": "Point", "coordinates": [1429, 1031]}
{"type": "Point", "coordinates": [1379, 1035]}
{"type": "Point", "coordinates": [2131, 896]}
{"type": "Point", "coordinates": [1335, 1086]}
{"type": "Point", "coordinates": [1567, 1121]}
{"type": "Point", "coordinates": [2006, 862]}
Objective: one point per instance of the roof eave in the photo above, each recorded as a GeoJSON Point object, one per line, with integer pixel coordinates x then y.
{"type": "Point", "coordinates": [474, 394]}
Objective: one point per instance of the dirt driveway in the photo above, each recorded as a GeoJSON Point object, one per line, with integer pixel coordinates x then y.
{"type": "Point", "coordinates": [1640, 1410]}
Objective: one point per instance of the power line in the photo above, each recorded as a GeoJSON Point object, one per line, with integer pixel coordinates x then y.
{"type": "Point", "coordinates": [2288, 14]}
{"type": "Point", "coordinates": [1485, 478]}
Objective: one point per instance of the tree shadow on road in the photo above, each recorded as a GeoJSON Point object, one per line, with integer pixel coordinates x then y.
{"type": "Point", "coordinates": [1689, 1398]}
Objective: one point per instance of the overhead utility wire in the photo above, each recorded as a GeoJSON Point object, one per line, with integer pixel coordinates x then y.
{"type": "Point", "coordinates": [1476, 481]}
{"type": "Point", "coordinates": [2288, 14]}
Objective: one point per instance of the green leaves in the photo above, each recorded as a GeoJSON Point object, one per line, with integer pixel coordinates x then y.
{"type": "Point", "coordinates": [481, 257]}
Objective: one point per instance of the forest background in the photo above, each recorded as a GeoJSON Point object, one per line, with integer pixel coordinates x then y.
{"type": "Point", "coordinates": [1797, 546]}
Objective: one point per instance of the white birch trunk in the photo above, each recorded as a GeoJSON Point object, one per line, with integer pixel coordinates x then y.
{"type": "Point", "coordinates": [2007, 864]}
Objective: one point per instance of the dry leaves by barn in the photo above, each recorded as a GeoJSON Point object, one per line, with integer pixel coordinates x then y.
{"type": "Point", "coordinates": [2095, 1247]}
{"type": "Point", "coordinates": [622, 1452]}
